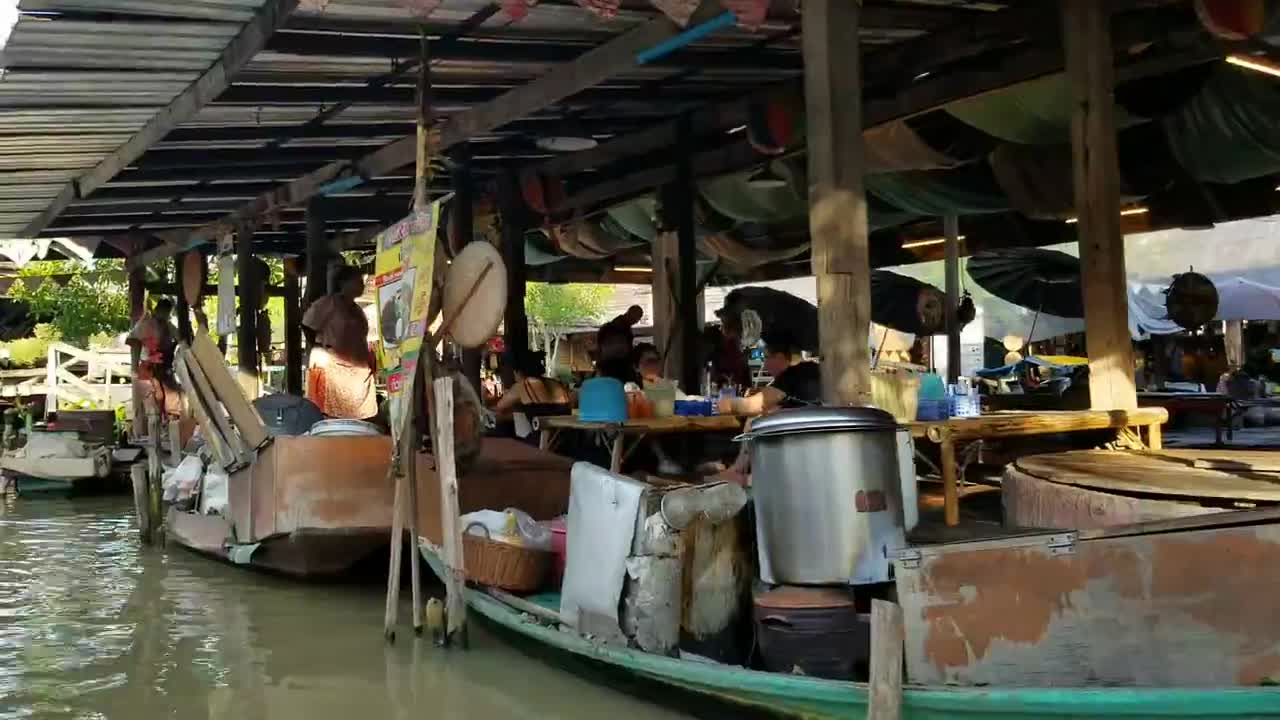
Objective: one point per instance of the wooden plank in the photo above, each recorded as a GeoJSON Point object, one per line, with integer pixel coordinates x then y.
{"type": "Point", "coordinates": [225, 390]}
{"type": "Point", "coordinates": [1261, 461]}
{"type": "Point", "coordinates": [837, 201]}
{"type": "Point", "coordinates": [195, 401]}
{"type": "Point", "coordinates": [887, 634]}
{"type": "Point", "coordinates": [1009, 424]}
{"type": "Point", "coordinates": [647, 426]}
{"type": "Point", "coordinates": [1087, 41]}
{"type": "Point", "coordinates": [252, 38]}
{"type": "Point", "coordinates": [1147, 474]}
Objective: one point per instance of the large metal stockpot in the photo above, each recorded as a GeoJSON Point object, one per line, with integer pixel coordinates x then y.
{"type": "Point", "coordinates": [826, 487]}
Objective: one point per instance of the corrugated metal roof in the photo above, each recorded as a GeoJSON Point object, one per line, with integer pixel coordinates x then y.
{"type": "Point", "coordinates": [75, 88]}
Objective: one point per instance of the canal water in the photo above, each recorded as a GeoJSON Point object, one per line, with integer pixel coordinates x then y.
{"type": "Point", "coordinates": [92, 625]}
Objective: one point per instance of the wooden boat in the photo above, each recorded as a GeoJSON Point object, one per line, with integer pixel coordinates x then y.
{"type": "Point", "coordinates": [534, 624]}
{"type": "Point", "coordinates": [307, 507]}
{"type": "Point", "coordinates": [60, 475]}
{"type": "Point", "coordinates": [801, 697]}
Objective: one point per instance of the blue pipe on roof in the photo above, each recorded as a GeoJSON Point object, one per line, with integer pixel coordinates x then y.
{"type": "Point", "coordinates": [341, 185]}
{"type": "Point", "coordinates": [692, 35]}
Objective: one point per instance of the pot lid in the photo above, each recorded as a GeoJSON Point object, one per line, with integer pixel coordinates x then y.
{"type": "Point", "coordinates": [791, 597]}
{"type": "Point", "coordinates": [820, 419]}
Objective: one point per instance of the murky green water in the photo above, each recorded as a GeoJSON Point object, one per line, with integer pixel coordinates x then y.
{"type": "Point", "coordinates": [94, 626]}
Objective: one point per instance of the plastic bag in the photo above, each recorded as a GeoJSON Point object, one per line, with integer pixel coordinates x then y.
{"type": "Point", "coordinates": [512, 526]}
{"type": "Point", "coordinates": [180, 483]}
{"type": "Point", "coordinates": [214, 499]}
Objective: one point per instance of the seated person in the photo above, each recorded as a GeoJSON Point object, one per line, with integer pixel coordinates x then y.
{"type": "Point", "coordinates": [649, 368]}
{"type": "Point", "coordinates": [796, 383]}
{"type": "Point", "coordinates": [533, 394]}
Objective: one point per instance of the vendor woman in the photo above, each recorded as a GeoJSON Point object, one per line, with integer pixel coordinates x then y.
{"type": "Point", "coordinates": [796, 383]}
{"type": "Point", "coordinates": [340, 377]}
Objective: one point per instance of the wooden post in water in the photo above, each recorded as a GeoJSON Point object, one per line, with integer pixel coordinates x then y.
{"type": "Point", "coordinates": [951, 229]}
{"type": "Point", "coordinates": [887, 637]}
{"type": "Point", "coordinates": [450, 524]}
{"type": "Point", "coordinates": [1089, 58]}
{"type": "Point", "coordinates": [137, 308]}
{"type": "Point", "coordinates": [837, 201]}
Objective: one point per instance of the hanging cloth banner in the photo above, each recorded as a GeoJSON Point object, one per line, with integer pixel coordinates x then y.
{"type": "Point", "coordinates": [1226, 133]}
{"type": "Point", "coordinates": [1036, 112]}
{"type": "Point", "coordinates": [680, 11]}
{"type": "Point", "coordinates": [603, 9]}
{"type": "Point", "coordinates": [226, 324]}
{"type": "Point", "coordinates": [404, 269]}
{"type": "Point", "coordinates": [970, 190]}
{"type": "Point", "coordinates": [722, 247]}
{"type": "Point", "coordinates": [894, 147]}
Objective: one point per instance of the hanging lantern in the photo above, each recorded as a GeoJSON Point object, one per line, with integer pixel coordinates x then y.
{"type": "Point", "coordinates": [769, 127]}
{"type": "Point", "coordinates": [603, 9]}
{"type": "Point", "coordinates": [1191, 300]}
{"type": "Point", "coordinates": [680, 11]}
{"type": "Point", "coordinates": [1234, 20]}
{"type": "Point", "coordinates": [517, 9]}
{"type": "Point", "coordinates": [749, 13]}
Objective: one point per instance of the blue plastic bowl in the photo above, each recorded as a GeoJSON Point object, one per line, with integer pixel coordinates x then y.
{"type": "Point", "coordinates": [602, 400]}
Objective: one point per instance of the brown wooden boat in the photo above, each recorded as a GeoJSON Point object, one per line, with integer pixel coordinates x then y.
{"type": "Point", "coordinates": [308, 507]}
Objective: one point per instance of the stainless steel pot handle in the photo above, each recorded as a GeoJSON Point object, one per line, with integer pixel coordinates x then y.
{"type": "Point", "coordinates": [745, 437]}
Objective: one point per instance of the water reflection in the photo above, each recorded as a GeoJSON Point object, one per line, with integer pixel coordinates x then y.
{"type": "Point", "coordinates": [94, 626]}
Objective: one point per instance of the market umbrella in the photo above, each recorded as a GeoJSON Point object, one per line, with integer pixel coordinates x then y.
{"type": "Point", "coordinates": [778, 310]}
{"type": "Point", "coordinates": [1046, 281]}
{"type": "Point", "coordinates": [906, 304]}
{"type": "Point", "coordinates": [1243, 299]}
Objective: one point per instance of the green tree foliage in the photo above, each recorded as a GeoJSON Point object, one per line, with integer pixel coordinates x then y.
{"type": "Point", "coordinates": [554, 309]}
{"type": "Point", "coordinates": [91, 303]}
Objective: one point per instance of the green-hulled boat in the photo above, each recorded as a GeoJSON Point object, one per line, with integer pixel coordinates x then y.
{"type": "Point", "coordinates": [802, 697]}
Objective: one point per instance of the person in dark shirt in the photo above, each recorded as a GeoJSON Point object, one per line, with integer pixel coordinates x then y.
{"type": "Point", "coordinates": [613, 342]}
{"type": "Point", "coordinates": [796, 382]}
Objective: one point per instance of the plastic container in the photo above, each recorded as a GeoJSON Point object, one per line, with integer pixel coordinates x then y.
{"type": "Point", "coordinates": [932, 410]}
{"type": "Point", "coordinates": [694, 408]}
{"type": "Point", "coordinates": [602, 399]}
{"type": "Point", "coordinates": [560, 548]}
{"type": "Point", "coordinates": [662, 395]}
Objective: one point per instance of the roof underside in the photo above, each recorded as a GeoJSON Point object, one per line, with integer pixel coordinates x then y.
{"type": "Point", "coordinates": [332, 84]}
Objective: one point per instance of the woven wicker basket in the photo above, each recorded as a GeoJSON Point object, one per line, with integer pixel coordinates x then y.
{"type": "Point", "coordinates": [502, 565]}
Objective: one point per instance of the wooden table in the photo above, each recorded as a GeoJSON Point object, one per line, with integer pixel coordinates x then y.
{"type": "Point", "coordinates": [636, 430]}
{"type": "Point", "coordinates": [948, 433]}
{"type": "Point", "coordinates": [1220, 406]}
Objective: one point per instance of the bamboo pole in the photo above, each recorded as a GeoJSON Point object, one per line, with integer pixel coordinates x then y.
{"type": "Point", "coordinates": [450, 523]}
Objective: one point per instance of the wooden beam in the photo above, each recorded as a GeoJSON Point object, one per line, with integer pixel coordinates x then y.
{"type": "Point", "coordinates": [1087, 42]}
{"type": "Point", "coordinates": [587, 70]}
{"type": "Point", "coordinates": [515, 322]}
{"type": "Point", "coordinates": [251, 39]}
{"type": "Point", "coordinates": [951, 231]}
{"type": "Point", "coordinates": [689, 320]}
{"type": "Point", "coordinates": [292, 327]}
{"type": "Point", "coordinates": [837, 200]}
{"type": "Point", "coordinates": [247, 330]}
{"type": "Point", "coordinates": [318, 255]}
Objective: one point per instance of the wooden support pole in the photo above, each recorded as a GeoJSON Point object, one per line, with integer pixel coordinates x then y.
{"type": "Point", "coordinates": [837, 201]}
{"type": "Point", "coordinates": [463, 213]}
{"type": "Point", "coordinates": [137, 308]}
{"type": "Point", "coordinates": [422, 150]}
{"type": "Point", "coordinates": [1089, 59]}
{"type": "Point", "coordinates": [515, 321]}
{"type": "Point", "coordinates": [1233, 343]}
{"type": "Point", "coordinates": [292, 327]}
{"type": "Point", "coordinates": [951, 229]}
{"type": "Point", "coordinates": [317, 255]}
{"type": "Point", "coordinates": [450, 524]}
{"type": "Point", "coordinates": [247, 325]}
{"type": "Point", "coordinates": [689, 321]}
{"type": "Point", "coordinates": [665, 252]}
{"type": "Point", "coordinates": [181, 307]}
{"type": "Point", "coordinates": [887, 638]}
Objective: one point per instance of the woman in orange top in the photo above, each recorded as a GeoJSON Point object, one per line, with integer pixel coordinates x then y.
{"type": "Point", "coordinates": [340, 374]}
